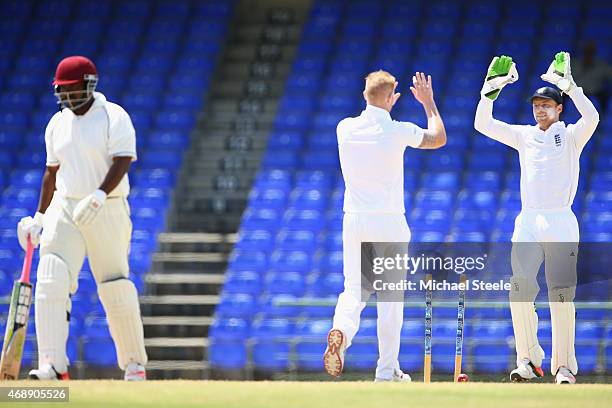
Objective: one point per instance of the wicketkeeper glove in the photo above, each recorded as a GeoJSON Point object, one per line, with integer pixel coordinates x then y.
{"type": "Point", "coordinates": [88, 208]}
{"type": "Point", "coordinates": [502, 71]}
{"type": "Point", "coordinates": [560, 72]}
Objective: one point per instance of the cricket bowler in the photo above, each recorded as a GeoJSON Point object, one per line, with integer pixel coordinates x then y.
{"type": "Point", "coordinates": [371, 148]}
{"type": "Point", "coordinates": [546, 228]}
{"type": "Point", "coordinates": [83, 211]}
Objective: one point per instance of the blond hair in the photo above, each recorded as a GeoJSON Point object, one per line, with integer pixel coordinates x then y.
{"type": "Point", "coordinates": [379, 84]}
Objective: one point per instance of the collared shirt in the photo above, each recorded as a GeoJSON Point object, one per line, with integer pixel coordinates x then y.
{"type": "Point", "coordinates": [371, 148]}
{"type": "Point", "coordinates": [83, 146]}
{"type": "Point", "coordinates": [549, 159]}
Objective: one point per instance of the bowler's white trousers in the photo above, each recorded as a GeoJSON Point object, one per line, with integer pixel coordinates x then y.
{"type": "Point", "coordinates": [370, 227]}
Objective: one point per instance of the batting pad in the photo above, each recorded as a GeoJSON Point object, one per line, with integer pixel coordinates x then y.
{"type": "Point", "coordinates": [51, 300]}
{"type": "Point", "coordinates": [563, 320]}
{"type": "Point", "coordinates": [525, 320]}
{"type": "Point", "coordinates": [120, 301]}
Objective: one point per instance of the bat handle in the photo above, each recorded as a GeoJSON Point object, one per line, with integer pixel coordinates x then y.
{"type": "Point", "coordinates": [27, 262]}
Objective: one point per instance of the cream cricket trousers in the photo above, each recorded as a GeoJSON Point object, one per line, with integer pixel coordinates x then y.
{"type": "Point", "coordinates": [550, 236]}
{"type": "Point", "coordinates": [63, 247]}
{"type": "Point", "coordinates": [105, 242]}
{"type": "Point", "coordinates": [358, 228]}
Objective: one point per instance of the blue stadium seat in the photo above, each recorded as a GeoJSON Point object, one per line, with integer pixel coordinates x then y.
{"type": "Point", "coordinates": [270, 198]}
{"type": "Point", "coordinates": [296, 240]}
{"type": "Point", "coordinates": [270, 355]}
{"type": "Point", "coordinates": [97, 328]}
{"type": "Point", "coordinates": [330, 284]}
{"type": "Point", "coordinates": [291, 261]}
{"type": "Point", "coordinates": [276, 307]}
{"type": "Point", "coordinates": [285, 140]}
{"type": "Point", "coordinates": [265, 219]}
{"type": "Point", "coordinates": [239, 305]}
{"type": "Point", "coordinates": [153, 178]}
{"type": "Point", "coordinates": [229, 329]}
{"type": "Point", "coordinates": [227, 354]}
{"type": "Point", "coordinates": [331, 262]}
{"type": "Point", "coordinates": [285, 283]}
{"type": "Point", "coordinates": [255, 240]}
{"type": "Point", "coordinates": [491, 358]}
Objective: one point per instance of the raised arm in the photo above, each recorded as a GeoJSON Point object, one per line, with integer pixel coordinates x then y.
{"type": "Point", "coordinates": [493, 128]}
{"type": "Point", "coordinates": [560, 74]}
{"type": "Point", "coordinates": [434, 136]}
{"type": "Point", "coordinates": [502, 71]}
{"type": "Point", "coordinates": [586, 125]}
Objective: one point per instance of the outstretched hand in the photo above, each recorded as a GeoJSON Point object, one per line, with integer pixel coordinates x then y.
{"type": "Point", "coordinates": [422, 88]}
{"type": "Point", "coordinates": [396, 95]}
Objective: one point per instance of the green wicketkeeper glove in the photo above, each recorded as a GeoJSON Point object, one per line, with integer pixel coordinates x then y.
{"type": "Point", "coordinates": [560, 72]}
{"type": "Point", "coordinates": [502, 71]}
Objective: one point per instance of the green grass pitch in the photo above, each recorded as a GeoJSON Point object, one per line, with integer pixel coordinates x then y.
{"type": "Point", "coordinates": [226, 394]}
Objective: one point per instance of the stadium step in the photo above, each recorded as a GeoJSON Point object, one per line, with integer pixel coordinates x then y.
{"type": "Point", "coordinates": [196, 242]}
{"type": "Point", "coordinates": [170, 305]}
{"type": "Point", "coordinates": [184, 283]}
{"type": "Point", "coordinates": [213, 188]}
{"type": "Point", "coordinates": [174, 348]}
{"type": "Point", "coordinates": [176, 326]}
{"type": "Point", "coordinates": [209, 222]}
{"type": "Point", "coordinates": [171, 369]}
{"type": "Point", "coordinates": [188, 260]}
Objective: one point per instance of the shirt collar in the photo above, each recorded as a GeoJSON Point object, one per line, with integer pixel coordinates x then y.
{"type": "Point", "coordinates": [555, 127]}
{"type": "Point", "coordinates": [376, 112]}
{"type": "Point", "coordinates": [99, 100]}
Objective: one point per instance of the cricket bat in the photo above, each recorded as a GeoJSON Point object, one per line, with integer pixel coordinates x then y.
{"type": "Point", "coordinates": [17, 322]}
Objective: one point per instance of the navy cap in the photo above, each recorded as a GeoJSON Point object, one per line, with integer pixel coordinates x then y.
{"type": "Point", "coordinates": [548, 93]}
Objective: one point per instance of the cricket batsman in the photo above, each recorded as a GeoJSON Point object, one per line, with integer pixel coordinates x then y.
{"type": "Point", "coordinates": [83, 211]}
{"type": "Point", "coordinates": [371, 150]}
{"type": "Point", "coordinates": [546, 228]}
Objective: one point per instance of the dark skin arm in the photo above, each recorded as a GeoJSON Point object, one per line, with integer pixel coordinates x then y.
{"type": "Point", "coordinates": [117, 170]}
{"type": "Point", "coordinates": [47, 189]}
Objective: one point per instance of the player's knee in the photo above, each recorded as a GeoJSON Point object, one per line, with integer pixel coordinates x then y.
{"type": "Point", "coordinates": [110, 274]}
{"type": "Point", "coordinates": [117, 294]}
{"type": "Point", "coordinates": [53, 278]}
{"type": "Point", "coordinates": [562, 295]}
{"type": "Point", "coordinates": [523, 289]}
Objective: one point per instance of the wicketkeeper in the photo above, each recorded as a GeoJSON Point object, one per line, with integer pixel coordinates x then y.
{"type": "Point", "coordinates": [546, 228]}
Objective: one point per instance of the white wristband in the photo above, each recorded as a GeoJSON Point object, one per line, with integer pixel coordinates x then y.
{"type": "Point", "coordinates": [38, 217]}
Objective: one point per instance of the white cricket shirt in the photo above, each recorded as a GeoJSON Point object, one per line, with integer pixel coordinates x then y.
{"type": "Point", "coordinates": [371, 148]}
{"type": "Point", "coordinates": [549, 159]}
{"type": "Point", "coordinates": [84, 146]}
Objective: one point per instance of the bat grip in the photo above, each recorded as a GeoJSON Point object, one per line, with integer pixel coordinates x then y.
{"type": "Point", "coordinates": [27, 262]}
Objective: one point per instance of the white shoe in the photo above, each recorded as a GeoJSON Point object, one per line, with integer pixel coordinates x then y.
{"type": "Point", "coordinates": [398, 376]}
{"type": "Point", "coordinates": [565, 376]}
{"type": "Point", "coordinates": [135, 372]}
{"type": "Point", "coordinates": [47, 372]}
{"type": "Point", "coordinates": [526, 371]}
{"type": "Point", "coordinates": [333, 359]}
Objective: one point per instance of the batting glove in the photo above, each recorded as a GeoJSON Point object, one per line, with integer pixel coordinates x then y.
{"type": "Point", "coordinates": [560, 72]}
{"type": "Point", "coordinates": [30, 227]}
{"type": "Point", "coordinates": [502, 71]}
{"type": "Point", "coordinates": [88, 208]}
